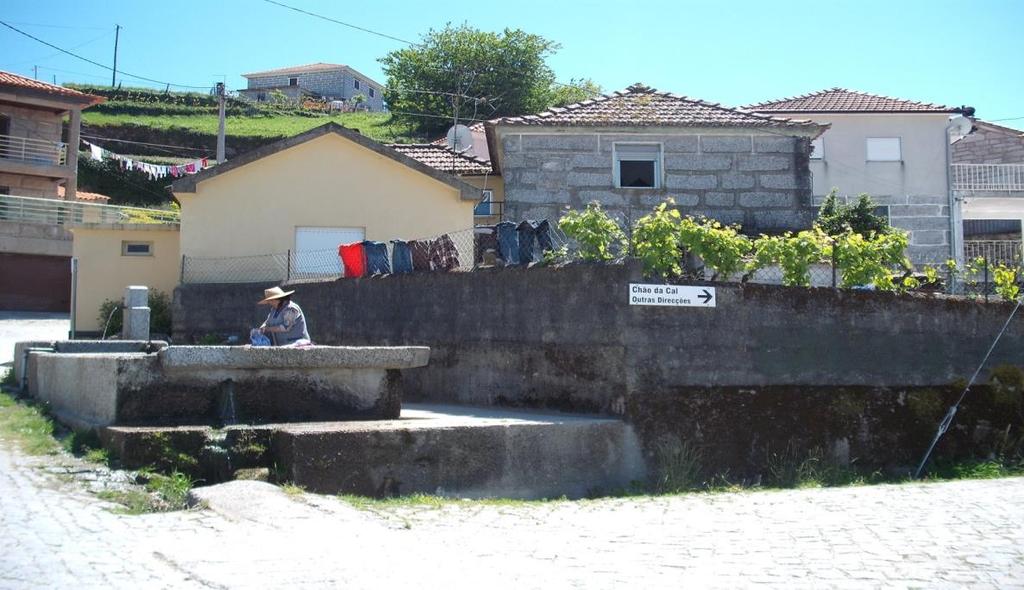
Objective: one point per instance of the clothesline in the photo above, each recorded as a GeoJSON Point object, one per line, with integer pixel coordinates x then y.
{"type": "Point", "coordinates": [154, 171]}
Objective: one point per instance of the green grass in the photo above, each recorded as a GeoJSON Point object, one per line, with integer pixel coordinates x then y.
{"type": "Point", "coordinates": [378, 126]}
{"type": "Point", "coordinates": [27, 426]}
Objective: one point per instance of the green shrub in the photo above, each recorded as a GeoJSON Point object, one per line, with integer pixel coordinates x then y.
{"type": "Point", "coordinates": [793, 253]}
{"type": "Point", "coordinates": [598, 235]}
{"type": "Point", "coordinates": [871, 259]}
{"type": "Point", "coordinates": [721, 247]}
{"type": "Point", "coordinates": [836, 219]}
{"type": "Point", "coordinates": [160, 318]}
{"type": "Point", "coordinates": [1005, 279]}
{"type": "Point", "coordinates": [656, 241]}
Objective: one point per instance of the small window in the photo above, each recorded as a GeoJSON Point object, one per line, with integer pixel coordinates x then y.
{"type": "Point", "coordinates": [884, 149]}
{"type": "Point", "coordinates": [356, 81]}
{"type": "Point", "coordinates": [136, 248]}
{"type": "Point", "coordinates": [637, 165]}
{"type": "Point", "coordinates": [372, 94]}
{"type": "Point", "coordinates": [818, 149]}
{"type": "Point", "coordinates": [486, 205]}
{"type": "Point", "coordinates": [5, 190]}
{"type": "Point", "coordinates": [293, 81]}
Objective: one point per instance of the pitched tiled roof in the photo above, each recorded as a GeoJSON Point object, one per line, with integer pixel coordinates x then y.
{"type": "Point", "coordinates": [439, 157]}
{"type": "Point", "coordinates": [317, 67]}
{"type": "Point", "coordinates": [841, 100]}
{"type": "Point", "coordinates": [9, 79]}
{"type": "Point", "coordinates": [84, 196]}
{"type": "Point", "coordinates": [643, 106]}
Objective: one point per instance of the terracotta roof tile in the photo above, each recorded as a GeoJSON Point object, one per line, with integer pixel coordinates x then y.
{"type": "Point", "coordinates": [317, 67]}
{"type": "Point", "coordinates": [84, 196]}
{"type": "Point", "coordinates": [439, 157]}
{"type": "Point", "coordinates": [643, 106]}
{"type": "Point", "coordinates": [841, 100]}
{"type": "Point", "coordinates": [9, 79]}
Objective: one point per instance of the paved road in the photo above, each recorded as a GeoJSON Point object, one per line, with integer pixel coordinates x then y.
{"type": "Point", "coordinates": [16, 326]}
{"type": "Point", "coordinates": [54, 534]}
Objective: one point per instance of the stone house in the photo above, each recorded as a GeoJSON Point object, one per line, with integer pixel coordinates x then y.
{"type": "Point", "coordinates": [37, 162]}
{"type": "Point", "coordinates": [329, 81]}
{"type": "Point", "coordinates": [988, 177]}
{"type": "Point", "coordinates": [890, 148]}
{"type": "Point", "coordinates": [632, 149]}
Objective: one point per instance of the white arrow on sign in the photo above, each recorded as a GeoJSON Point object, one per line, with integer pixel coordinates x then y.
{"type": "Point", "coordinates": [672, 295]}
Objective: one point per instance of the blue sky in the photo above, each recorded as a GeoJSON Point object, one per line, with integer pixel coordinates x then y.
{"type": "Point", "coordinates": [734, 52]}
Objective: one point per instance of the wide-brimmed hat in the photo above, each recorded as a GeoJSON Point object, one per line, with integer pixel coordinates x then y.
{"type": "Point", "coordinates": [272, 294]}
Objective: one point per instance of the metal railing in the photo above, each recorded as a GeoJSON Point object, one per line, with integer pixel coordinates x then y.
{"type": "Point", "coordinates": [60, 212]}
{"type": "Point", "coordinates": [33, 151]}
{"type": "Point", "coordinates": [988, 177]}
{"type": "Point", "coordinates": [995, 251]}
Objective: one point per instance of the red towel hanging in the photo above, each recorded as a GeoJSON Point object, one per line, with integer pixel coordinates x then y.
{"type": "Point", "coordinates": [353, 258]}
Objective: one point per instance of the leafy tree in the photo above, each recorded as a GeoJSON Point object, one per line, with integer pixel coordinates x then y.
{"type": "Point", "coordinates": [835, 218]}
{"type": "Point", "coordinates": [502, 74]}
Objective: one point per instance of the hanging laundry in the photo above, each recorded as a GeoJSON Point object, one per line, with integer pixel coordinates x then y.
{"type": "Point", "coordinates": [401, 257]}
{"type": "Point", "coordinates": [443, 254]}
{"type": "Point", "coordinates": [154, 171]}
{"type": "Point", "coordinates": [526, 232]}
{"type": "Point", "coordinates": [353, 259]}
{"type": "Point", "coordinates": [508, 242]}
{"type": "Point", "coordinates": [376, 258]}
{"type": "Point", "coordinates": [484, 239]}
{"type": "Point", "coordinates": [544, 236]}
{"type": "Point", "coordinates": [96, 151]}
{"type": "Point", "coordinates": [420, 255]}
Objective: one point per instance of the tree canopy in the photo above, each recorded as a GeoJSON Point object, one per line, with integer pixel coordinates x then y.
{"type": "Point", "coordinates": [479, 74]}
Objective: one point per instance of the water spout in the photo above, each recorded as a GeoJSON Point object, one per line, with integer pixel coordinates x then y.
{"type": "Point", "coordinates": [227, 403]}
{"type": "Point", "coordinates": [109, 317]}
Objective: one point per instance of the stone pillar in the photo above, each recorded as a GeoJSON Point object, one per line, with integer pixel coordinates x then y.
{"type": "Point", "coordinates": [135, 325]}
{"type": "Point", "coordinates": [74, 128]}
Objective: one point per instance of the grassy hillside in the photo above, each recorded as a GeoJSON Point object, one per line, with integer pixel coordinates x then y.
{"type": "Point", "coordinates": [197, 112]}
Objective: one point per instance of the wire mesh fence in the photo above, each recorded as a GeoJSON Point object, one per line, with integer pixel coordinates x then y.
{"type": "Point", "coordinates": [458, 251]}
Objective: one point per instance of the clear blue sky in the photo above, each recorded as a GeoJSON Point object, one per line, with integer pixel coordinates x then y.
{"type": "Point", "coordinates": [735, 52]}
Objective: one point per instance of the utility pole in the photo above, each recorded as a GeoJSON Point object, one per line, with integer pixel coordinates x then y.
{"type": "Point", "coordinates": [35, 72]}
{"type": "Point", "coordinates": [117, 35]}
{"type": "Point", "coordinates": [220, 125]}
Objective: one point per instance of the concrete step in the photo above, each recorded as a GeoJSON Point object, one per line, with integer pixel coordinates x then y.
{"type": "Point", "coordinates": [446, 450]}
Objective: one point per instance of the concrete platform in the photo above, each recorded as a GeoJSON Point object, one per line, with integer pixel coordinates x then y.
{"type": "Point", "coordinates": [446, 450]}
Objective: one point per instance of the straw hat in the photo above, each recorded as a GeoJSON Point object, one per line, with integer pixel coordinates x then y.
{"type": "Point", "coordinates": [272, 294]}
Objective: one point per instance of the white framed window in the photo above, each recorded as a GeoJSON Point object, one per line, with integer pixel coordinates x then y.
{"type": "Point", "coordinates": [129, 248]}
{"type": "Point", "coordinates": [316, 249]}
{"type": "Point", "coordinates": [818, 149]}
{"type": "Point", "coordinates": [293, 81]}
{"type": "Point", "coordinates": [883, 149]}
{"type": "Point", "coordinates": [355, 81]}
{"type": "Point", "coordinates": [637, 165]}
{"type": "Point", "coordinates": [486, 206]}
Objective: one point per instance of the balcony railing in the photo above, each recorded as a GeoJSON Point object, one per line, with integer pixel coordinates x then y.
{"type": "Point", "coordinates": [988, 177]}
{"type": "Point", "coordinates": [994, 251]}
{"type": "Point", "coordinates": [33, 151]}
{"type": "Point", "coordinates": [59, 212]}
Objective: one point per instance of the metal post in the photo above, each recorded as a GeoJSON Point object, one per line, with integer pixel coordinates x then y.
{"type": "Point", "coordinates": [113, 77]}
{"type": "Point", "coordinates": [834, 282]}
{"type": "Point", "coordinates": [288, 267]}
{"type": "Point", "coordinates": [985, 284]}
{"type": "Point", "coordinates": [220, 124]}
{"type": "Point", "coordinates": [74, 296]}
{"type": "Point", "coordinates": [181, 280]}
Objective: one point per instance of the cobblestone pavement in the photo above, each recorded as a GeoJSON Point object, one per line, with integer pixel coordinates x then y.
{"type": "Point", "coordinates": [54, 534]}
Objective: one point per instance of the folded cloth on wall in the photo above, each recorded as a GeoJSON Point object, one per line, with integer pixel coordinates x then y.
{"type": "Point", "coordinates": [484, 239]}
{"type": "Point", "coordinates": [543, 233]}
{"type": "Point", "coordinates": [526, 232]}
{"type": "Point", "coordinates": [353, 259]}
{"type": "Point", "coordinates": [443, 253]}
{"type": "Point", "coordinates": [401, 257]}
{"type": "Point", "coordinates": [376, 258]}
{"type": "Point", "coordinates": [508, 242]}
{"type": "Point", "coordinates": [420, 254]}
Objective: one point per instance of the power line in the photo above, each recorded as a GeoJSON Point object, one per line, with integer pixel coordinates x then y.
{"type": "Point", "coordinates": [1006, 119]}
{"type": "Point", "coordinates": [52, 55]}
{"type": "Point", "coordinates": [95, 63]}
{"type": "Point", "coordinates": [51, 26]}
{"type": "Point", "coordinates": [351, 26]}
{"type": "Point", "coordinates": [177, 147]}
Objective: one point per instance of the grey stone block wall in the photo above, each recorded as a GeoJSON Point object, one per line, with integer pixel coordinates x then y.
{"type": "Point", "coordinates": [334, 85]}
{"type": "Point", "coordinates": [990, 146]}
{"type": "Point", "coordinates": [763, 183]}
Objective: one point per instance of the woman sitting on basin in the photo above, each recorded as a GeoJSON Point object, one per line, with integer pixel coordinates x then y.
{"type": "Point", "coordinates": [286, 325]}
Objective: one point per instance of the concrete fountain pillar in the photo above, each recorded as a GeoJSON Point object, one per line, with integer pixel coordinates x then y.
{"type": "Point", "coordinates": [135, 325]}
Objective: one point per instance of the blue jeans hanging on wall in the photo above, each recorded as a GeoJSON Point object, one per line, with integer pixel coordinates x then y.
{"type": "Point", "coordinates": [544, 236]}
{"type": "Point", "coordinates": [526, 232]}
{"type": "Point", "coordinates": [508, 242]}
{"type": "Point", "coordinates": [376, 258]}
{"type": "Point", "coordinates": [401, 256]}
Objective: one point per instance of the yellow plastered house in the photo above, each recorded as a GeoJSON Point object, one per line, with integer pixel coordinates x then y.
{"type": "Point", "coordinates": [327, 186]}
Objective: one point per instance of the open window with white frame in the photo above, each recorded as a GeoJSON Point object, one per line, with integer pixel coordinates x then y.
{"type": "Point", "coordinates": [637, 165]}
{"type": "Point", "coordinates": [883, 149]}
{"type": "Point", "coordinates": [485, 207]}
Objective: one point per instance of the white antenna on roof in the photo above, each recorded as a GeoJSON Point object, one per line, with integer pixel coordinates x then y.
{"type": "Point", "coordinates": [460, 138]}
